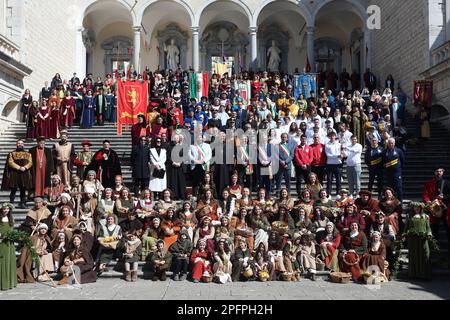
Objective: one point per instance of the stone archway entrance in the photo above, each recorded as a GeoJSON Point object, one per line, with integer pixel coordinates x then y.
{"type": "Point", "coordinates": [223, 39]}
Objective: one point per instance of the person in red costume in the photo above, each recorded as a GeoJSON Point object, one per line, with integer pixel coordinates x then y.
{"type": "Point", "coordinates": [107, 165]}
{"type": "Point", "coordinates": [438, 190]}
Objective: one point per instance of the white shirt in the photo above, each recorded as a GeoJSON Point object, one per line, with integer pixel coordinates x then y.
{"type": "Point", "coordinates": [353, 153]}
{"type": "Point", "coordinates": [310, 134]}
{"type": "Point", "coordinates": [333, 152]}
{"type": "Point", "coordinates": [345, 138]}
{"type": "Point", "coordinates": [223, 116]}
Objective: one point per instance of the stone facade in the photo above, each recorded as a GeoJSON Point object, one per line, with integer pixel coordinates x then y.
{"type": "Point", "coordinates": [401, 47]}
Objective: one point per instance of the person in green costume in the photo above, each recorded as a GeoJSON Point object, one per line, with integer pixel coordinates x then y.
{"type": "Point", "coordinates": [418, 234]}
{"type": "Point", "coordinates": [8, 275]}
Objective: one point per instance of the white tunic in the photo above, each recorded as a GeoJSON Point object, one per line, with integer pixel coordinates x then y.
{"type": "Point", "coordinates": [156, 184]}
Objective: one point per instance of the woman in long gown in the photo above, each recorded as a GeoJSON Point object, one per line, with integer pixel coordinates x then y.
{"type": "Point", "coordinates": [43, 121]}
{"type": "Point", "coordinates": [87, 116]}
{"type": "Point", "coordinates": [353, 247]}
{"type": "Point", "coordinates": [329, 247]}
{"type": "Point", "coordinates": [376, 254]}
{"type": "Point", "coordinates": [8, 275]}
{"type": "Point", "coordinates": [54, 121]}
{"type": "Point", "coordinates": [418, 233]}
{"type": "Point", "coordinates": [32, 119]}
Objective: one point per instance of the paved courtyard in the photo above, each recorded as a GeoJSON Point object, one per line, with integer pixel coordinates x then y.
{"type": "Point", "coordinates": [117, 289]}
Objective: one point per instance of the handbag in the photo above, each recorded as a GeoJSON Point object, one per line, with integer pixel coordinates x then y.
{"type": "Point", "coordinates": [159, 174]}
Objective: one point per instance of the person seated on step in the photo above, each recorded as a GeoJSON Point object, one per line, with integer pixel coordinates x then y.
{"type": "Point", "coordinates": [78, 264]}
{"type": "Point", "coordinates": [201, 262]}
{"type": "Point", "coordinates": [129, 251]}
{"type": "Point", "coordinates": [160, 261]}
{"type": "Point", "coordinates": [108, 236]}
{"type": "Point", "coordinates": [26, 270]}
{"type": "Point", "coordinates": [181, 251]}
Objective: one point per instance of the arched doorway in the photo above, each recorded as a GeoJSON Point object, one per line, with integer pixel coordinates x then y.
{"type": "Point", "coordinates": [107, 36]}
{"type": "Point", "coordinates": [11, 110]}
{"type": "Point", "coordinates": [224, 29]}
{"type": "Point", "coordinates": [166, 28]}
{"type": "Point", "coordinates": [339, 44]}
{"type": "Point", "coordinates": [285, 23]}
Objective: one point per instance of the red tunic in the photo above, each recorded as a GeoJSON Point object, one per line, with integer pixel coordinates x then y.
{"type": "Point", "coordinates": [67, 112]}
{"type": "Point", "coordinates": [429, 194]}
{"type": "Point", "coordinates": [43, 124]}
{"type": "Point", "coordinates": [40, 173]}
{"type": "Point", "coordinates": [54, 124]}
{"type": "Point", "coordinates": [331, 248]}
{"type": "Point", "coordinates": [199, 267]}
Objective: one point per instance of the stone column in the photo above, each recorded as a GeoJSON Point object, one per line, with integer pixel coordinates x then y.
{"type": "Point", "coordinates": [137, 47]}
{"type": "Point", "coordinates": [367, 53]}
{"type": "Point", "coordinates": [80, 54]}
{"type": "Point", "coordinates": [310, 47]}
{"type": "Point", "coordinates": [195, 49]}
{"type": "Point", "coordinates": [254, 48]}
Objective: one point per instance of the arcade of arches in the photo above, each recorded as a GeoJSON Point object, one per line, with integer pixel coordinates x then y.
{"type": "Point", "coordinates": [326, 34]}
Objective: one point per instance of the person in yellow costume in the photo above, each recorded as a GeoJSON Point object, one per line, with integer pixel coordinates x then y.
{"type": "Point", "coordinates": [293, 108]}
{"type": "Point", "coordinates": [282, 103]}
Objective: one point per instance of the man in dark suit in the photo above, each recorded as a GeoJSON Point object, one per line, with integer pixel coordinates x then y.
{"type": "Point", "coordinates": [285, 157]}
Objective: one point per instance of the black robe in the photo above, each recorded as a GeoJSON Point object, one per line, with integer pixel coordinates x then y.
{"type": "Point", "coordinates": [222, 172]}
{"type": "Point", "coordinates": [176, 176]}
{"type": "Point", "coordinates": [140, 157]}
{"type": "Point", "coordinates": [110, 168]}
{"type": "Point", "coordinates": [49, 164]}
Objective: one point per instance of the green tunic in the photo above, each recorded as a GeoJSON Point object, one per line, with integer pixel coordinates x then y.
{"type": "Point", "coordinates": [8, 275]}
{"type": "Point", "coordinates": [418, 229]}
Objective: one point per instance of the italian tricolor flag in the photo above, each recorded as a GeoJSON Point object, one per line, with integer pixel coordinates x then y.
{"type": "Point", "coordinates": [199, 85]}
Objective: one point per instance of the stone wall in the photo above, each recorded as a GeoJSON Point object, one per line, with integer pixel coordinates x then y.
{"type": "Point", "coordinates": [401, 47]}
{"type": "Point", "coordinates": [48, 41]}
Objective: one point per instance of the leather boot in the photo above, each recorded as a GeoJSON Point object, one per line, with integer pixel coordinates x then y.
{"type": "Point", "coordinates": [134, 276]}
{"type": "Point", "coordinates": [128, 276]}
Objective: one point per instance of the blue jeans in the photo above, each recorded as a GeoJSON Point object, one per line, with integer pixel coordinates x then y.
{"type": "Point", "coordinates": [333, 170]}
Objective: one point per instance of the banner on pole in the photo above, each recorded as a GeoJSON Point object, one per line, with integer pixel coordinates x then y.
{"type": "Point", "coordinates": [305, 83]}
{"type": "Point", "coordinates": [423, 93]}
{"type": "Point", "coordinates": [132, 100]}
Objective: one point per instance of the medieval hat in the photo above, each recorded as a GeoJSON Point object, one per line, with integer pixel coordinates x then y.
{"type": "Point", "coordinates": [86, 142]}
{"type": "Point", "coordinates": [77, 235]}
{"type": "Point", "coordinates": [204, 218]}
{"type": "Point", "coordinates": [365, 192]}
{"type": "Point", "coordinates": [380, 213]}
{"type": "Point", "coordinates": [7, 205]}
{"type": "Point", "coordinates": [42, 226]}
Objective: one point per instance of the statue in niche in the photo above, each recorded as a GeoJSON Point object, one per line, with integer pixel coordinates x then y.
{"type": "Point", "coordinates": [274, 57]}
{"type": "Point", "coordinates": [173, 55]}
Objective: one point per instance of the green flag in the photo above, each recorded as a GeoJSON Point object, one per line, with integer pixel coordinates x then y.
{"type": "Point", "coordinates": [193, 86]}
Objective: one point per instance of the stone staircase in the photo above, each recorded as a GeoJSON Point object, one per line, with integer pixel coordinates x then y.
{"type": "Point", "coordinates": [420, 160]}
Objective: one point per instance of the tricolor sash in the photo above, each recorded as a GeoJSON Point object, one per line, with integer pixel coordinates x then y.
{"type": "Point", "coordinates": [203, 157]}
{"type": "Point", "coordinates": [249, 167]}
{"type": "Point", "coordinates": [285, 150]}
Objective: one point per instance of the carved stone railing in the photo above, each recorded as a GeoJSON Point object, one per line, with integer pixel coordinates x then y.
{"type": "Point", "coordinates": [9, 48]}
{"type": "Point", "coordinates": [441, 54]}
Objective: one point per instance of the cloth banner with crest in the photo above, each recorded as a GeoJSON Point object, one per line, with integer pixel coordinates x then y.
{"type": "Point", "coordinates": [132, 100]}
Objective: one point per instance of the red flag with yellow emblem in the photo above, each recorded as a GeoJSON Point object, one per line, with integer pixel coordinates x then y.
{"type": "Point", "coordinates": [132, 100]}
